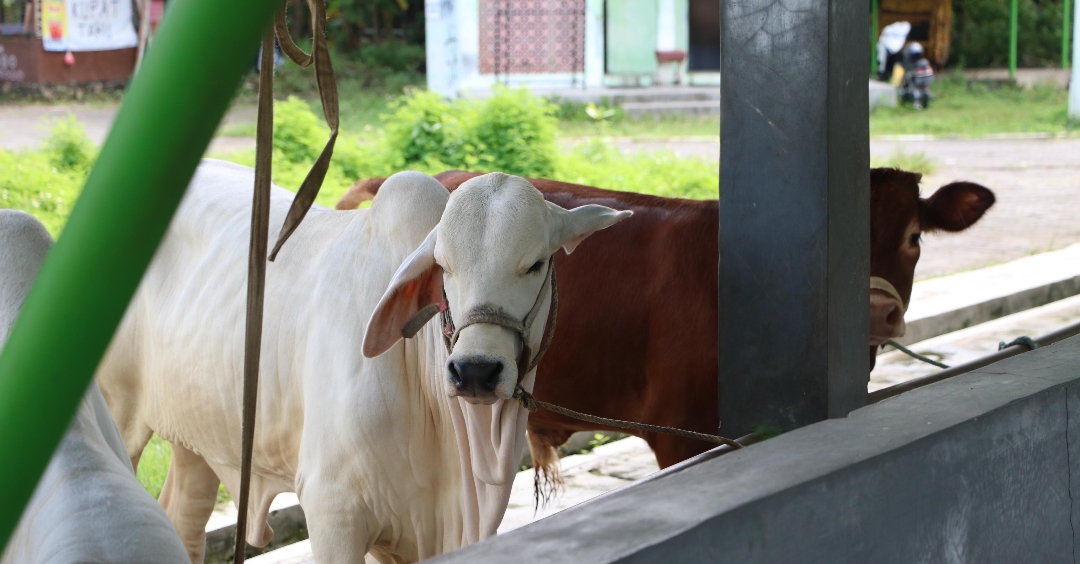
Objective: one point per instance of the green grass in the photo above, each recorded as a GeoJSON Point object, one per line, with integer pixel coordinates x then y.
{"type": "Point", "coordinates": [913, 162]}
{"type": "Point", "coordinates": [241, 129]}
{"type": "Point", "coordinates": [962, 109]}
{"type": "Point", "coordinates": [700, 126]}
{"type": "Point", "coordinates": [661, 173]}
{"type": "Point", "coordinates": [154, 466]}
{"type": "Point", "coordinates": [974, 109]}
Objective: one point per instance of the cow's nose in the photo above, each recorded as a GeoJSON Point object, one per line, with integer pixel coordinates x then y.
{"type": "Point", "coordinates": [474, 376]}
{"type": "Point", "coordinates": [886, 318]}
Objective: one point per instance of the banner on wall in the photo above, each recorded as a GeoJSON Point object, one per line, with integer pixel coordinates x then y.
{"type": "Point", "coordinates": [87, 25]}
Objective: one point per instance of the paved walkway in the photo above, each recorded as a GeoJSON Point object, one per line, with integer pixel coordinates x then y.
{"type": "Point", "coordinates": [26, 126]}
{"type": "Point", "coordinates": [1036, 181]}
{"type": "Point", "coordinates": [1037, 184]}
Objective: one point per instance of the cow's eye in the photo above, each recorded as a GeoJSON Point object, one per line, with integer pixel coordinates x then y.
{"type": "Point", "coordinates": [915, 238]}
{"type": "Point", "coordinates": [535, 267]}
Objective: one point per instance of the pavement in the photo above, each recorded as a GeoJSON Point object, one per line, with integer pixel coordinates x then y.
{"type": "Point", "coordinates": [25, 126]}
{"type": "Point", "coordinates": [1037, 184]}
{"type": "Point", "coordinates": [1036, 180]}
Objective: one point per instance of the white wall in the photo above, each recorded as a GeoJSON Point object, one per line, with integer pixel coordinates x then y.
{"type": "Point", "coordinates": [1074, 86]}
{"type": "Point", "coordinates": [442, 49]}
{"type": "Point", "coordinates": [594, 43]}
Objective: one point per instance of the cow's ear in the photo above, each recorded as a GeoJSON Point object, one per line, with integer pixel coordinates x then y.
{"type": "Point", "coordinates": [573, 226]}
{"type": "Point", "coordinates": [410, 301]}
{"type": "Point", "coordinates": [956, 206]}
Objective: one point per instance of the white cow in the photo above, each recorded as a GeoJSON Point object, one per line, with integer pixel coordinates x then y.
{"type": "Point", "coordinates": [88, 506]}
{"type": "Point", "coordinates": [406, 455]}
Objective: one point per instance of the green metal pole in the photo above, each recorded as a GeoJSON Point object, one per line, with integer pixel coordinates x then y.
{"type": "Point", "coordinates": [1066, 26]}
{"type": "Point", "coordinates": [169, 114]}
{"type": "Point", "coordinates": [873, 36]}
{"type": "Point", "coordinates": [1013, 15]}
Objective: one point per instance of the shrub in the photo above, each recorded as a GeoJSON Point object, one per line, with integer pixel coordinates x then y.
{"type": "Point", "coordinates": [422, 129]}
{"type": "Point", "coordinates": [46, 183]}
{"type": "Point", "coordinates": [512, 131]}
{"type": "Point", "coordinates": [980, 33]}
{"type": "Point", "coordinates": [299, 135]}
{"type": "Point", "coordinates": [68, 147]}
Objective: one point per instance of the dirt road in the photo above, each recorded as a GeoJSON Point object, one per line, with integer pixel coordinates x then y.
{"type": "Point", "coordinates": [1037, 181]}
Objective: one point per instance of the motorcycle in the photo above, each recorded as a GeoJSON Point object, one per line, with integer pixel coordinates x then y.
{"type": "Point", "coordinates": [905, 67]}
{"type": "Point", "coordinates": [918, 74]}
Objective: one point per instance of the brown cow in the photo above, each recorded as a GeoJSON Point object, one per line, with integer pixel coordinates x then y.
{"type": "Point", "coordinates": [641, 344]}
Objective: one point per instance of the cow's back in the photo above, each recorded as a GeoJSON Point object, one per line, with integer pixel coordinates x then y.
{"type": "Point", "coordinates": [88, 506]}
{"type": "Point", "coordinates": [175, 364]}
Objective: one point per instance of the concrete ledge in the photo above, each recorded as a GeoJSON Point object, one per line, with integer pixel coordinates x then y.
{"type": "Point", "coordinates": [286, 519]}
{"type": "Point", "coordinates": [973, 469]}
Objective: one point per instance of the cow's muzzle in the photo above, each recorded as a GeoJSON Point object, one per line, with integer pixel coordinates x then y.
{"type": "Point", "coordinates": [475, 378]}
{"type": "Point", "coordinates": [887, 310]}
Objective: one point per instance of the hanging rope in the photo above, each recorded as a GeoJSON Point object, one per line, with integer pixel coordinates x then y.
{"type": "Point", "coordinates": [260, 218]}
{"type": "Point", "coordinates": [328, 95]}
{"type": "Point", "coordinates": [260, 230]}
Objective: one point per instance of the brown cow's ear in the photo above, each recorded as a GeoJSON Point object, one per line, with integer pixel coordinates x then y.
{"type": "Point", "coordinates": [410, 300]}
{"type": "Point", "coordinates": [956, 206]}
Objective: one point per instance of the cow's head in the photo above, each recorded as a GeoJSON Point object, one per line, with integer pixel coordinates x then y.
{"type": "Point", "coordinates": [490, 252]}
{"type": "Point", "coordinates": [899, 217]}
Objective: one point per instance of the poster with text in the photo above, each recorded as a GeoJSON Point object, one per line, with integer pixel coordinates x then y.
{"type": "Point", "coordinates": [54, 25]}
{"type": "Point", "coordinates": [87, 25]}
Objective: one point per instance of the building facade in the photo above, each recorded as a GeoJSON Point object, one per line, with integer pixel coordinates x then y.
{"type": "Point", "coordinates": [565, 44]}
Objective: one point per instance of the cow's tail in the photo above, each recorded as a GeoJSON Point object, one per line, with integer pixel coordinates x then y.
{"type": "Point", "coordinates": [362, 191]}
{"type": "Point", "coordinates": [547, 479]}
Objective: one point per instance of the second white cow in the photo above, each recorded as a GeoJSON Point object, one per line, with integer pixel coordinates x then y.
{"type": "Point", "coordinates": [88, 506]}
{"type": "Point", "coordinates": [408, 454]}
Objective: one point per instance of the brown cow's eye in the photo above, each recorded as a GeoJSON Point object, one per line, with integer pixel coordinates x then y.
{"type": "Point", "coordinates": [535, 267]}
{"type": "Point", "coordinates": [915, 238]}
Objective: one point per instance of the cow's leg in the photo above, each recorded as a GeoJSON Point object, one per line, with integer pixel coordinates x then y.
{"type": "Point", "coordinates": [671, 450]}
{"type": "Point", "coordinates": [341, 528]}
{"type": "Point", "coordinates": [188, 496]}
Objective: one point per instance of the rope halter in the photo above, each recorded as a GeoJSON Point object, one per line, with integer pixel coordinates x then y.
{"type": "Point", "coordinates": [495, 315]}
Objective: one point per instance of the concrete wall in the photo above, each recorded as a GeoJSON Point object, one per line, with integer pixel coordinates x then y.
{"type": "Point", "coordinates": [973, 469]}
